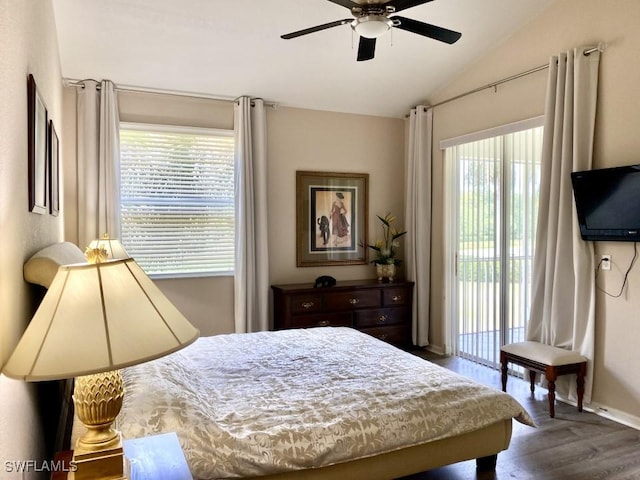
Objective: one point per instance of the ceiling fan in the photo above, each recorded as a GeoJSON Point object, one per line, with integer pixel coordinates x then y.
{"type": "Point", "coordinates": [373, 20]}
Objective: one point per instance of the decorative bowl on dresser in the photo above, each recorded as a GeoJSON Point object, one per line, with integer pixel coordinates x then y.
{"type": "Point", "coordinates": [382, 310]}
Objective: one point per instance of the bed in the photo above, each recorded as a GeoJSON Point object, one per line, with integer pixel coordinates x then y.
{"type": "Point", "coordinates": [320, 403]}
{"type": "Point", "coordinates": [313, 403]}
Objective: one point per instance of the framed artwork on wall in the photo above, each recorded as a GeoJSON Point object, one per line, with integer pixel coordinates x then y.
{"type": "Point", "coordinates": [331, 218]}
{"type": "Point", "coordinates": [37, 150]}
{"type": "Point", "coordinates": [54, 172]}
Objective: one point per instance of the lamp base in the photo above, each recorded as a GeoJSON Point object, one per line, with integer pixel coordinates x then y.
{"type": "Point", "coordinates": [109, 464]}
{"type": "Point", "coordinates": [98, 453]}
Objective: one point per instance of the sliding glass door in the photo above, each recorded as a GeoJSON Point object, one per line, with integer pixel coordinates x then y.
{"type": "Point", "coordinates": [494, 183]}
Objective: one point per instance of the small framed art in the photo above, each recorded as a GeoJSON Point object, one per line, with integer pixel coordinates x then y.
{"type": "Point", "coordinates": [54, 171]}
{"type": "Point", "coordinates": [37, 150]}
{"type": "Point", "coordinates": [331, 218]}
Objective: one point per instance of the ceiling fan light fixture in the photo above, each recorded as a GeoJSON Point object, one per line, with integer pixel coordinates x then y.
{"type": "Point", "coordinates": [372, 26]}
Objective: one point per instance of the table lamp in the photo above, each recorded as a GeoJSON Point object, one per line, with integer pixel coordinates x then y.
{"type": "Point", "coordinates": [111, 246]}
{"type": "Point", "coordinates": [95, 319]}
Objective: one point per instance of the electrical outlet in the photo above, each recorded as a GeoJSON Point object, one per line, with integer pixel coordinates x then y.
{"type": "Point", "coordinates": [605, 262]}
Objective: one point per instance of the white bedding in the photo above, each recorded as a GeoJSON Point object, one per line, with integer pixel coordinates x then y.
{"type": "Point", "coordinates": [261, 403]}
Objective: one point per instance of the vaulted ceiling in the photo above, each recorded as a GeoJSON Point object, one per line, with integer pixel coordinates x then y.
{"type": "Point", "coordinates": [233, 47]}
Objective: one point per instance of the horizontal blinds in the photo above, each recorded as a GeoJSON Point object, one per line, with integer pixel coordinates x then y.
{"type": "Point", "coordinates": [177, 200]}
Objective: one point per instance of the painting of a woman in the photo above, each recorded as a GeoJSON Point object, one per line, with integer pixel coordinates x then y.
{"type": "Point", "coordinates": [339, 223]}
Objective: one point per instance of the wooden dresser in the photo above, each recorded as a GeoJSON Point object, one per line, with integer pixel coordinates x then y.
{"type": "Point", "coordinates": [382, 310]}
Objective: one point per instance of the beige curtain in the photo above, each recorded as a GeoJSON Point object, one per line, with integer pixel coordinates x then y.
{"type": "Point", "coordinates": [251, 278]}
{"type": "Point", "coordinates": [563, 289]}
{"type": "Point", "coordinates": [98, 142]}
{"type": "Point", "coordinates": [418, 218]}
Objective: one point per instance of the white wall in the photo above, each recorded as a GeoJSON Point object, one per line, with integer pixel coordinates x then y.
{"type": "Point", "coordinates": [567, 24]}
{"type": "Point", "coordinates": [29, 45]}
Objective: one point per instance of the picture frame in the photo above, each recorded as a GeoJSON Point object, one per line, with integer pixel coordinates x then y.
{"type": "Point", "coordinates": [332, 211]}
{"type": "Point", "coordinates": [54, 171]}
{"type": "Point", "coordinates": [37, 133]}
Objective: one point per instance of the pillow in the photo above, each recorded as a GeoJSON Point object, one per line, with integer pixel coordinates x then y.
{"type": "Point", "coordinates": [42, 267]}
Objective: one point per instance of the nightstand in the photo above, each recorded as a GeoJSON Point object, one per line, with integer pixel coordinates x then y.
{"type": "Point", "coordinates": [157, 457]}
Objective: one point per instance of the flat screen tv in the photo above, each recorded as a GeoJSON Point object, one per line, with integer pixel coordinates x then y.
{"type": "Point", "coordinates": [608, 203]}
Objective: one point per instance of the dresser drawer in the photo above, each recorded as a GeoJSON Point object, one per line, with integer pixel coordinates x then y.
{"type": "Point", "coordinates": [353, 299]}
{"type": "Point", "coordinates": [322, 320]}
{"type": "Point", "coordinates": [380, 309]}
{"type": "Point", "coordinates": [396, 334]}
{"type": "Point", "coordinates": [381, 316]}
{"type": "Point", "coordinates": [396, 296]}
{"type": "Point", "coordinates": [306, 303]}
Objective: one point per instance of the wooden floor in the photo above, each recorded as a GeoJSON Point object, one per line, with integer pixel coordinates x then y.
{"type": "Point", "coordinates": [572, 446]}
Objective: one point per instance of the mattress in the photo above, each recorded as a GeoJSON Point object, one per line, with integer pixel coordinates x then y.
{"type": "Point", "coordinates": [247, 405]}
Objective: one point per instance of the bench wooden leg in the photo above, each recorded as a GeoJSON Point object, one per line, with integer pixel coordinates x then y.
{"type": "Point", "coordinates": [532, 379]}
{"type": "Point", "coordinates": [551, 374]}
{"type": "Point", "coordinates": [580, 380]}
{"type": "Point", "coordinates": [505, 370]}
{"type": "Point", "coordinates": [552, 398]}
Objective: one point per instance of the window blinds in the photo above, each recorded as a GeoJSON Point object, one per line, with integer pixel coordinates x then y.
{"type": "Point", "coordinates": [177, 199]}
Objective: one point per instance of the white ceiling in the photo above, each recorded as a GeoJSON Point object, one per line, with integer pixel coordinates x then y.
{"type": "Point", "coordinates": [233, 47]}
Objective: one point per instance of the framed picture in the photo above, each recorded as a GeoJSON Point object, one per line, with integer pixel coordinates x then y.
{"type": "Point", "coordinates": [54, 172]}
{"type": "Point", "coordinates": [331, 218]}
{"type": "Point", "coordinates": [37, 151]}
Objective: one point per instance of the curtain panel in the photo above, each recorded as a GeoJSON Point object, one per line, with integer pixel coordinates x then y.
{"type": "Point", "coordinates": [563, 289]}
{"type": "Point", "coordinates": [418, 218]}
{"type": "Point", "coordinates": [98, 133]}
{"type": "Point", "coordinates": [251, 278]}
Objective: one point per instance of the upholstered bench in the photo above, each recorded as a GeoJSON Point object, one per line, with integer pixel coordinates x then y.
{"type": "Point", "coordinates": [552, 361]}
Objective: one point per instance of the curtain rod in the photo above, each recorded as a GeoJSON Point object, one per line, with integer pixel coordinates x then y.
{"type": "Point", "coordinates": [601, 47]}
{"type": "Point", "coordinates": [69, 82]}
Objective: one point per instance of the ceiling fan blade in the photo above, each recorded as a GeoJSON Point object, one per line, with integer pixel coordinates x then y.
{"type": "Point", "coordinates": [400, 5]}
{"type": "Point", "coordinates": [317, 28]}
{"type": "Point", "coordinates": [366, 49]}
{"type": "Point", "coordinates": [427, 30]}
{"type": "Point", "coordinates": [345, 3]}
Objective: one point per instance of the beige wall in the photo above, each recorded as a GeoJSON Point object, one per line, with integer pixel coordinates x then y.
{"type": "Point", "coordinates": [297, 140]}
{"type": "Point", "coordinates": [567, 24]}
{"type": "Point", "coordinates": [29, 45]}
{"type": "Point", "coordinates": [331, 142]}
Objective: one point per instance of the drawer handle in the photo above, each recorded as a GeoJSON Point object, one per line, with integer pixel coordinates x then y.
{"type": "Point", "coordinates": [323, 323]}
{"type": "Point", "coordinates": [396, 298]}
{"type": "Point", "coordinates": [382, 318]}
{"type": "Point", "coordinates": [382, 336]}
{"type": "Point", "coordinates": [354, 301]}
{"type": "Point", "coordinates": [307, 305]}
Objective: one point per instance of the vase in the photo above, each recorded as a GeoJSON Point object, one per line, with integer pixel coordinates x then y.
{"type": "Point", "coordinates": [385, 272]}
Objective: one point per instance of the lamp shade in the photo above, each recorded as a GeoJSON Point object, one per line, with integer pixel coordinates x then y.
{"type": "Point", "coordinates": [95, 318]}
{"type": "Point", "coordinates": [112, 246]}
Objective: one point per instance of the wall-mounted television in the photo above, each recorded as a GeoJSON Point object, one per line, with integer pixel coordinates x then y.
{"type": "Point", "coordinates": [608, 203]}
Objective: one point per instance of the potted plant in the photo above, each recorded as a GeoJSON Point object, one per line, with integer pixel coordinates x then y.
{"type": "Point", "coordinates": [386, 249]}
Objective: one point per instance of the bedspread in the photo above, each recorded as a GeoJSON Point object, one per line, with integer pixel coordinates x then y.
{"type": "Point", "coordinates": [261, 403]}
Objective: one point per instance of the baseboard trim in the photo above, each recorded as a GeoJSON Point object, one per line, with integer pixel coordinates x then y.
{"type": "Point", "coordinates": [610, 413]}
{"type": "Point", "coordinates": [615, 415]}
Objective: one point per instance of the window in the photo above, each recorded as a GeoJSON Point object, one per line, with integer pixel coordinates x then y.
{"type": "Point", "coordinates": [494, 181]}
{"type": "Point", "coordinates": [177, 199]}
